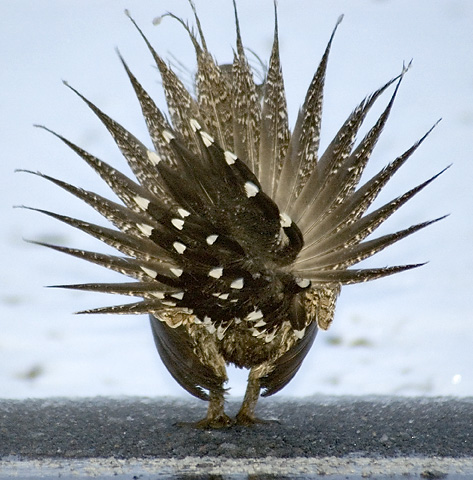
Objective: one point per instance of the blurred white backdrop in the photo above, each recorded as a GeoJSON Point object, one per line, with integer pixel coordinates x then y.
{"type": "Point", "coordinates": [411, 334]}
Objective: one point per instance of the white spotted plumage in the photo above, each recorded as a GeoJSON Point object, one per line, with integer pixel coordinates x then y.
{"type": "Point", "coordinates": [254, 315]}
{"type": "Point", "coordinates": [230, 157]}
{"type": "Point", "coordinates": [153, 157]}
{"type": "Point", "coordinates": [216, 272]}
{"type": "Point", "coordinates": [207, 139]}
{"type": "Point", "coordinates": [143, 203]}
{"type": "Point", "coordinates": [238, 283]}
{"type": "Point", "coordinates": [178, 223]}
{"type": "Point", "coordinates": [168, 136]}
{"type": "Point", "coordinates": [177, 272]}
{"type": "Point", "coordinates": [251, 189]}
{"type": "Point", "coordinates": [179, 247]}
{"type": "Point", "coordinates": [149, 272]}
{"type": "Point", "coordinates": [211, 239]}
{"type": "Point", "coordinates": [183, 212]}
{"type": "Point", "coordinates": [147, 230]}
{"type": "Point", "coordinates": [237, 233]}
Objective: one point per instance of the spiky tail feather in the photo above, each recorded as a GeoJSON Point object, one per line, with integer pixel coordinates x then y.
{"type": "Point", "coordinates": [231, 215]}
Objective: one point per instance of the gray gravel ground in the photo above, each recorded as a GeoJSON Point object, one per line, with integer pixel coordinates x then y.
{"type": "Point", "coordinates": [346, 437]}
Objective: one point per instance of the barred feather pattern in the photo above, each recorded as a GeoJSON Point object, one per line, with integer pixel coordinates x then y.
{"type": "Point", "coordinates": [238, 233]}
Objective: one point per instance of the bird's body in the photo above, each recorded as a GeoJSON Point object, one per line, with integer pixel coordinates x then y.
{"type": "Point", "coordinates": [237, 233]}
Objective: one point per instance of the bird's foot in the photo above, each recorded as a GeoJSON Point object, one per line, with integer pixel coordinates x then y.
{"type": "Point", "coordinates": [246, 420]}
{"type": "Point", "coordinates": [220, 421]}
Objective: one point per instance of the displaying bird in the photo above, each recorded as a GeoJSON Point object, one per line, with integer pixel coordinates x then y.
{"type": "Point", "coordinates": [237, 233]}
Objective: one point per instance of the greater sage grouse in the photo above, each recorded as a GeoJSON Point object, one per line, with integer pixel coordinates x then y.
{"type": "Point", "coordinates": [238, 234]}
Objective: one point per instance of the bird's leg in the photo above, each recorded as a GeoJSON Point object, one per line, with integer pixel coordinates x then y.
{"type": "Point", "coordinates": [246, 415]}
{"type": "Point", "coordinates": [216, 416]}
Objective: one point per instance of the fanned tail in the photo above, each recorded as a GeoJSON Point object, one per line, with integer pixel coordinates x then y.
{"type": "Point", "coordinates": [231, 217]}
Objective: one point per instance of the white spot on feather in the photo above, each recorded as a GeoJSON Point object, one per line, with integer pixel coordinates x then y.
{"type": "Point", "coordinates": [216, 272]}
{"type": "Point", "coordinates": [195, 125]}
{"type": "Point", "coordinates": [207, 139]}
{"type": "Point", "coordinates": [270, 336]}
{"type": "Point", "coordinates": [256, 332]}
{"type": "Point", "coordinates": [210, 328]}
{"type": "Point", "coordinates": [142, 202]}
{"type": "Point", "coordinates": [230, 157]}
{"type": "Point", "coordinates": [299, 333]}
{"type": "Point", "coordinates": [150, 273]}
{"type": "Point", "coordinates": [285, 220]}
{"type": "Point", "coordinates": [153, 157]}
{"type": "Point", "coordinates": [159, 295]}
{"type": "Point", "coordinates": [168, 136]}
{"type": "Point", "coordinates": [237, 284]}
{"type": "Point", "coordinates": [211, 239]}
{"type": "Point", "coordinates": [178, 223]}
{"type": "Point", "coordinates": [183, 212]}
{"type": "Point", "coordinates": [221, 332]}
{"type": "Point", "coordinates": [178, 295]}
{"type": "Point", "coordinates": [209, 325]}
{"type": "Point", "coordinates": [251, 189]}
{"type": "Point", "coordinates": [303, 282]}
{"type": "Point", "coordinates": [176, 271]}
{"type": "Point", "coordinates": [261, 323]}
{"type": "Point", "coordinates": [179, 247]}
{"type": "Point", "coordinates": [255, 315]}
{"type": "Point", "coordinates": [145, 229]}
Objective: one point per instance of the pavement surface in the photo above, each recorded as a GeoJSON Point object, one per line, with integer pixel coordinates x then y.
{"type": "Point", "coordinates": [338, 437]}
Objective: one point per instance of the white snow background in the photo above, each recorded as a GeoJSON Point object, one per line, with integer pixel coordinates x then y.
{"type": "Point", "coordinates": [410, 334]}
